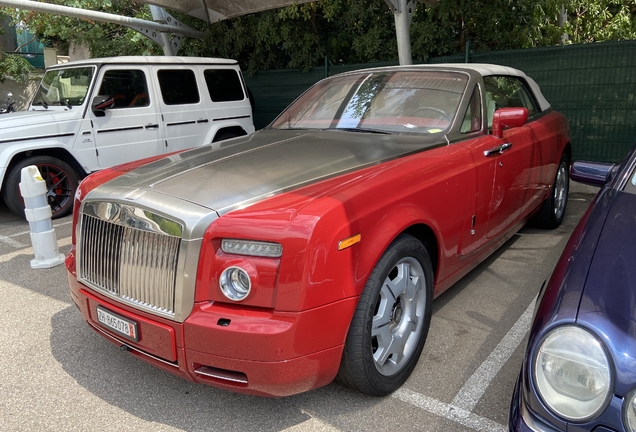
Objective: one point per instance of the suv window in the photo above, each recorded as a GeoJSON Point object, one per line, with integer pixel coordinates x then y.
{"type": "Point", "coordinates": [507, 92]}
{"type": "Point", "coordinates": [224, 85]}
{"type": "Point", "coordinates": [178, 86]}
{"type": "Point", "coordinates": [127, 87]}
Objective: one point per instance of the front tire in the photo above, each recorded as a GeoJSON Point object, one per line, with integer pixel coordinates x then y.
{"type": "Point", "coordinates": [391, 321]}
{"type": "Point", "coordinates": [552, 210]}
{"type": "Point", "coordinates": [61, 183]}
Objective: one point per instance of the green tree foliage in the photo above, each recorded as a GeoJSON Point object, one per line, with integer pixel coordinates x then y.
{"type": "Point", "coordinates": [360, 31]}
{"type": "Point", "coordinates": [103, 39]}
{"type": "Point", "coordinates": [14, 66]}
{"type": "Point", "coordinates": [349, 31]}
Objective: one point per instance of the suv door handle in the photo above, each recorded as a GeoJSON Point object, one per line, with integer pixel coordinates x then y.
{"type": "Point", "coordinates": [202, 120]}
{"type": "Point", "coordinates": [498, 150]}
{"type": "Point", "coordinates": [151, 126]}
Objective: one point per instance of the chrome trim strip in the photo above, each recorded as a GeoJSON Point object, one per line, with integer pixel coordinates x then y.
{"type": "Point", "coordinates": [133, 217]}
{"type": "Point", "coordinates": [120, 129]}
{"type": "Point", "coordinates": [231, 118]}
{"type": "Point", "coordinates": [37, 137]}
{"type": "Point", "coordinates": [231, 376]}
{"type": "Point", "coordinates": [182, 123]}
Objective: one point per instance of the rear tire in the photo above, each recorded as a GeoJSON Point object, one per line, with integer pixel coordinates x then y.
{"type": "Point", "coordinates": [391, 321]}
{"type": "Point", "coordinates": [553, 208]}
{"type": "Point", "coordinates": [61, 182]}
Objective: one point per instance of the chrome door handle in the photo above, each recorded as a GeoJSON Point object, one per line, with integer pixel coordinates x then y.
{"type": "Point", "coordinates": [498, 150]}
{"type": "Point", "coordinates": [151, 126]}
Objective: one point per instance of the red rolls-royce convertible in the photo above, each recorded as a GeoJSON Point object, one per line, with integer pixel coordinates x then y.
{"type": "Point", "coordinates": [272, 263]}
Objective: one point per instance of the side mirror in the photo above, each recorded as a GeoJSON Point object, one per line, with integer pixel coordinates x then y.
{"type": "Point", "coordinates": [592, 173]}
{"type": "Point", "coordinates": [101, 104]}
{"type": "Point", "coordinates": [508, 118]}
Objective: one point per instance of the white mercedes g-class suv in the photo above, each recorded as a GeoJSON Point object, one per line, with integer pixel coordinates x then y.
{"type": "Point", "coordinates": [92, 114]}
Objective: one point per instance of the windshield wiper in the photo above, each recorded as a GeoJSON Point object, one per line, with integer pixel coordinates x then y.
{"type": "Point", "coordinates": [375, 131]}
{"type": "Point", "coordinates": [41, 102]}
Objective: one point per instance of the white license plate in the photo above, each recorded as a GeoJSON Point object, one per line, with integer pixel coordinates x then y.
{"type": "Point", "coordinates": [118, 324]}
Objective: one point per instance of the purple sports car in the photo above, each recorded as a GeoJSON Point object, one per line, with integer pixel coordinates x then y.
{"type": "Point", "coordinates": [579, 371]}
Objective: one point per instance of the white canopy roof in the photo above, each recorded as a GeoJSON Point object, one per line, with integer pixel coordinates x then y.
{"type": "Point", "coordinates": [217, 10]}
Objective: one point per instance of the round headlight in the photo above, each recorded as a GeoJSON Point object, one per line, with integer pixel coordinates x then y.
{"type": "Point", "coordinates": [629, 411]}
{"type": "Point", "coordinates": [235, 283]}
{"type": "Point", "coordinates": [572, 373]}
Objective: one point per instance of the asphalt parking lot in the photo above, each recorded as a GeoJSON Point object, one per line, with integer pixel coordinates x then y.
{"type": "Point", "coordinates": [58, 374]}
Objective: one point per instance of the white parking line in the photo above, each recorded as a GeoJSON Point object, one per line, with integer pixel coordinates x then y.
{"type": "Point", "coordinates": [449, 412]}
{"type": "Point", "coordinates": [29, 251]}
{"type": "Point", "coordinates": [460, 409]}
{"type": "Point", "coordinates": [14, 243]}
{"type": "Point", "coordinates": [9, 240]}
{"type": "Point", "coordinates": [474, 388]}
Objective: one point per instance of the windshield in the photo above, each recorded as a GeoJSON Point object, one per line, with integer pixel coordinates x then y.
{"type": "Point", "coordinates": [385, 102]}
{"type": "Point", "coordinates": [64, 87]}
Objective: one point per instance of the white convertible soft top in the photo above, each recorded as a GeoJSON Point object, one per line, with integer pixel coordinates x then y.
{"type": "Point", "coordinates": [486, 69]}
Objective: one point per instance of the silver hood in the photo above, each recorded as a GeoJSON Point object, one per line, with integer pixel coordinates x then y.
{"type": "Point", "coordinates": [245, 170]}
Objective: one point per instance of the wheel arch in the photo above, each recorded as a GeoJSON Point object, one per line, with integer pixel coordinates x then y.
{"type": "Point", "coordinates": [56, 152]}
{"type": "Point", "coordinates": [234, 130]}
{"type": "Point", "coordinates": [427, 237]}
{"type": "Point", "coordinates": [384, 234]}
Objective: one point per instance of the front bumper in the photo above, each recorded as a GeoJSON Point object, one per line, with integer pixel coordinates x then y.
{"type": "Point", "coordinates": [520, 418]}
{"type": "Point", "coordinates": [245, 350]}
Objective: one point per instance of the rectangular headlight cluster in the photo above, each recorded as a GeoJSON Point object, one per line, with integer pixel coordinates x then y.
{"type": "Point", "coordinates": [252, 248]}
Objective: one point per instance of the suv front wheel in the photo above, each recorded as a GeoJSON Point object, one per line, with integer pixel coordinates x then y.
{"type": "Point", "coordinates": [61, 183]}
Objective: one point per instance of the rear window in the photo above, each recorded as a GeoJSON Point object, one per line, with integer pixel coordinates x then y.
{"type": "Point", "coordinates": [178, 86]}
{"type": "Point", "coordinates": [224, 85]}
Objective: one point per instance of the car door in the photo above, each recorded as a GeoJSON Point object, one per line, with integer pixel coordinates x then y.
{"type": "Point", "coordinates": [182, 108]}
{"type": "Point", "coordinates": [515, 155]}
{"type": "Point", "coordinates": [130, 130]}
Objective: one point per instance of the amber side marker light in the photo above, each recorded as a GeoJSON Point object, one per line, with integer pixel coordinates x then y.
{"type": "Point", "coordinates": [349, 241]}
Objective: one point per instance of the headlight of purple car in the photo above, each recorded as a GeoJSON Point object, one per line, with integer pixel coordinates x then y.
{"type": "Point", "coordinates": [572, 374]}
{"type": "Point", "coordinates": [630, 411]}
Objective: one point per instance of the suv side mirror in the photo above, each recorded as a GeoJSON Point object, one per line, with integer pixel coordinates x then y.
{"type": "Point", "coordinates": [101, 104]}
{"type": "Point", "coordinates": [507, 118]}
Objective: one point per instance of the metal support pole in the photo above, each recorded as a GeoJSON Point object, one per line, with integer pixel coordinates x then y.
{"type": "Point", "coordinates": [563, 18]}
{"type": "Point", "coordinates": [403, 12]}
{"type": "Point", "coordinates": [158, 16]}
{"type": "Point", "coordinates": [157, 31]}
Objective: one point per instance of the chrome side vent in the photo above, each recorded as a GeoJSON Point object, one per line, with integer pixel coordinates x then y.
{"type": "Point", "coordinates": [125, 253]}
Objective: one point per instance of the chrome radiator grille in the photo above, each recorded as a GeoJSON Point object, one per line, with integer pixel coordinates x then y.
{"type": "Point", "coordinates": [136, 266]}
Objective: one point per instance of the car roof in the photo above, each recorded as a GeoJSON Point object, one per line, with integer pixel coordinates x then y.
{"type": "Point", "coordinates": [483, 69]}
{"type": "Point", "coordinates": [147, 60]}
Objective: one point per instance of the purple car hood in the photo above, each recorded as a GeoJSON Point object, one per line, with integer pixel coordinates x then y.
{"type": "Point", "coordinates": [608, 301]}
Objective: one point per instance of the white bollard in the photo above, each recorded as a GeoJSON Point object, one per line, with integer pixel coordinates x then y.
{"type": "Point", "coordinates": [38, 213]}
